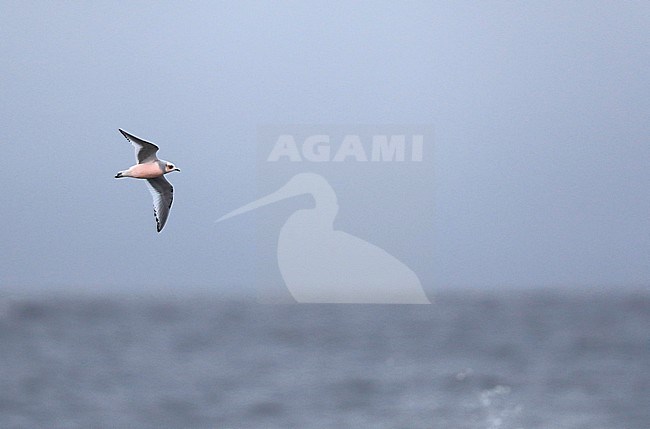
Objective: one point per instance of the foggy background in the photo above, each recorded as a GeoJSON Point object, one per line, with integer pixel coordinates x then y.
{"type": "Point", "coordinates": [540, 112]}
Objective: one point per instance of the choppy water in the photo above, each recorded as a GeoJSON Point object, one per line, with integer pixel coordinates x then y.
{"type": "Point", "coordinates": [540, 360]}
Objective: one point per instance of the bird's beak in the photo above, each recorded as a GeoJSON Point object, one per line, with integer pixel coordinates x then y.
{"type": "Point", "coordinates": [280, 194]}
{"type": "Point", "coordinates": [177, 169]}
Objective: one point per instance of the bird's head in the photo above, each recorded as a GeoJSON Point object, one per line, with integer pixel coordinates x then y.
{"type": "Point", "coordinates": [169, 167]}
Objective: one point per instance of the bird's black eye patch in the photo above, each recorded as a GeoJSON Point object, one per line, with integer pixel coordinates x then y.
{"type": "Point", "coordinates": [170, 166]}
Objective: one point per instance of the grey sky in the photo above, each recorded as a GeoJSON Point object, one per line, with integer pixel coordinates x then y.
{"type": "Point", "coordinates": [541, 112]}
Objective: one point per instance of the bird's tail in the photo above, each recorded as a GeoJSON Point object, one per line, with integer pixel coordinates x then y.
{"type": "Point", "coordinates": [119, 174]}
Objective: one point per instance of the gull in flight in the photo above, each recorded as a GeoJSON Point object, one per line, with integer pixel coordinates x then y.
{"type": "Point", "coordinates": [153, 169]}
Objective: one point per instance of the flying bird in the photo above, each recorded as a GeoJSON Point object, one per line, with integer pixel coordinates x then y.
{"type": "Point", "coordinates": [152, 169]}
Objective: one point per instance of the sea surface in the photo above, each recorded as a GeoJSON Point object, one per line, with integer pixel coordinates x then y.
{"type": "Point", "coordinates": [545, 359]}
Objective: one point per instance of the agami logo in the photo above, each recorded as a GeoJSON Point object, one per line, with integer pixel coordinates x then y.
{"type": "Point", "coordinates": [322, 148]}
{"type": "Point", "coordinates": [343, 214]}
{"type": "Point", "coordinates": [320, 264]}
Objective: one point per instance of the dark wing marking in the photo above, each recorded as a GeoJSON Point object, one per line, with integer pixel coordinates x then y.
{"type": "Point", "coordinates": [144, 151]}
{"type": "Point", "coordinates": [163, 194]}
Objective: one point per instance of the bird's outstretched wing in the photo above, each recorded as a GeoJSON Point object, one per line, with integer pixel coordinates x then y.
{"type": "Point", "coordinates": [144, 151]}
{"type": "Point", "coordinates": [163, 194]}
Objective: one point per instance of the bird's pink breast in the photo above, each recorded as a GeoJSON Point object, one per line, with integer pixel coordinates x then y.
{"type": "Point", "coordinates": [146, 171]}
